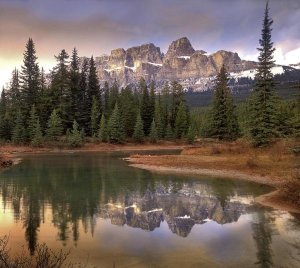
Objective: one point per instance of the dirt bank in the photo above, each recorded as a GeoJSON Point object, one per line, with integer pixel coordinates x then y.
{"type": "Point", "coordinates": [276, 166]}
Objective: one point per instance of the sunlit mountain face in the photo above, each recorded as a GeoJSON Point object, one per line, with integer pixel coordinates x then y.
{"type": "Point", "coordinates": [210, 25]}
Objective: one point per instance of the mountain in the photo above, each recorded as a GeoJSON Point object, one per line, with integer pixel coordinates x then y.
{"type": "Point", "coordinates": [181, 62]}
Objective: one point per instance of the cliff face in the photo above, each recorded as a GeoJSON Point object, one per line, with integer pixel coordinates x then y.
{"type": "Point", "coordinates": [181, 62]}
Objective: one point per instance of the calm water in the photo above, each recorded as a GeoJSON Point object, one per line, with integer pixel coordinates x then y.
{"type": "Point", "coordinates": [112, 215]}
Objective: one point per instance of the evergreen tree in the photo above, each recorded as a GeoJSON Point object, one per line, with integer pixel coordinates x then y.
{"type": "Point", "coordinates": [181, 121]}
{"type": "Point", "coordinates": [166, 106]}
{"type": "Point", "coordinates": [145, 109]}
{"type": "Point", "coordinates": [83, 117]}
{"type": "Point", "coordinates": [128, 110]}
{"type": "Point", "coordinates": [75, 86]}
{"type": "Point", "coordinates": [158, 118]}
{"type": "Point", "coordinates": [30, 79]}
{"type": "Point", "coordinates": [138, 134]}
{"type": "Point", "coordinates": [190, 135]}
{"type": "Point", "coordinates": [37, 135]}
{"type": "Point", "coordinates": [93, 86]}
{"type": "Point", "coordinates": [5, 127]}
{"type": "Point", "coordinates": [74, 137]}
{"type": "Point", "coordinates": [102, 133]}
{"type": "Point", "coordinates": [54, 126]}
{"type": "Point", "coordinates": [115, 127]}
{"type": "Point", "coordinates": [94, 117]}
{"type": "Point", "coordinates": [61, 89]}
{"type": "Point", "coordinates": [19, 133]}
{"type": "Point", "coordinates": [224, 123]}
{"type": "Point", "coordinates": [106, 107]}
{"type": "Point", "coordinates": [169, 133]}
{"type": "Point", "coordinates": [14, 93]}
{"type": "Point", "coordinates": [263, 117]}
{"type": "Point", "coordinates": [113, 96]}
{"type": "Point", "coordinates": [32, 122]}
{"type": "Point", "coordinates": [177, 98]}
{"type": "Point", "coordinates": [153, 132]}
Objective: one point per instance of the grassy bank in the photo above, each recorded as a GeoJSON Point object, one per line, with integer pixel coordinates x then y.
{"type": "Point", "coordinates": [277, 165]}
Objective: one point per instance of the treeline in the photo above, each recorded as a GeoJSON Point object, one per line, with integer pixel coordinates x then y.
{"type": "Point", "coordinates": [70, 105]}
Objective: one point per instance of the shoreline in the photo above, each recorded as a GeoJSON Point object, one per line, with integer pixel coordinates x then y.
{"type": "Point", "coordinates": [276, 199]}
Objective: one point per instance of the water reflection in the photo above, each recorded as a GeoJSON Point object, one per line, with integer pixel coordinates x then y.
{"type": "Point", "coordinates": [80, 189]}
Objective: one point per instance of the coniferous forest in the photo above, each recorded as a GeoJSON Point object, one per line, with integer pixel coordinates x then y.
{"type": "Point", "coordinates": [68, 106]}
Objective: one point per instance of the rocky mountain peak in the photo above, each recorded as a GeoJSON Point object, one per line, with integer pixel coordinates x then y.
{"type": "Point", "coordinates": [180, 47]}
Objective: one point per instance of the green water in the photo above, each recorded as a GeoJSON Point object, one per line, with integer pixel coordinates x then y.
{"type": "Point", "coordinates": [112, 215]}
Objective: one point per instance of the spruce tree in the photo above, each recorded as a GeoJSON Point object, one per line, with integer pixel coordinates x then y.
{"type": "Point", "coordinates": [60, 85]}
{"type": "Point", "coordinates": [75, 86]}
{"type": "Point", "coordinates": [153, 132]}
{"type": "Point", "coordinates": [95, 113]}
{"type": "Point", "coordinates": [103, 133]}
{"type": "Point", "coordinates": [106, 107]}
{"type": "Point", "coordinates": [83, 117]}
{"type": "Point", "coordinates": [54, 126]}
{"type": "Point", "coordinates": [263, 117]}
{"type": "Point", "coordinates": [5, 127]}
{"type": "Point", "coordinates": [29, 80]}
{"type": "Point", "coordinates": [113, 96]}
{"type": "Point", "coordinates": [166, 106]}
{"type": "Point", "coordinates": [223, 125]}
{"type": "Point", "coordinates": [177, 98]}
{"type": "Point", "coordinates": [190, 135]}
{"type": "Point", "coordinates": [74, 137]}
{"type": "Point", "coordinates": [115, 128]}
{"type": "Point", "coordinates": [32, 122]}
{"type": "Point", "coordinates": [138, 134]}
{"type": "Point", "coordinates": [37, 135]}
{"type": "Point", "coordinates": [19, 133]}
{"type": "Point", "coordinates": [181, 123]}
{"type": "Point", "coordinates": [158, 118]}
{"type": "Point", "coordinates": [145, 109]}
{"type": "Point", "coordinates": [14, 93]}
{"type": "Point", "coordinates": [169, 133]}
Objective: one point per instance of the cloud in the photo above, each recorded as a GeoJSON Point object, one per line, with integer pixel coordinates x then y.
{"type": "Point", "coordinates": [97, 26]}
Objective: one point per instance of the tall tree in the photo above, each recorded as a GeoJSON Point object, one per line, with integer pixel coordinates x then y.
{"type": "Point", "coordinates": [115, 127]}
{"type": "Point", "coordinates": [106, 107]}
{"type": "Point", "coordinates": [177, 98]}
{"type": "Point", "coordinates": [153, 132]}
{"type": "Point", "coordinates": [263, 118]}
{"type": "Point", "coordinates": [103, 132]}
{"type": "Point", "coordinates": [95, 114]}
{"type": "Point", "coordinates": [32, 122]}
{"type": "Point", "coordinates": [61, 88]}
{"type": "Point", "coordinates": [30, 79]}
{"type": "Point", "coordinates": [138, 134]}
{"type": "Point", "coordinates": [83, 116]}
{"type": "Point", "coordinates": [54, 129]}
{"type": "Point", "coordinates": [74, 86]}
{"type": "Point", "coordinates": [145, 108]}
{"type": "Point", "coordinates": [19, 135]}
{"type": "Point", "coordinates": [181, 123]}
{"type": "Point", "coordinates": [223, 123]}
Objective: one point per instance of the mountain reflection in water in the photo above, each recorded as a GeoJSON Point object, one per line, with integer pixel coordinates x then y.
{"type": "Point", "coordinates": [68, 191]}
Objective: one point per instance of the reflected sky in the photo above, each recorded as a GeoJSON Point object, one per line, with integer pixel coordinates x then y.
{"type": "Point", "coordinates": [108, 213]}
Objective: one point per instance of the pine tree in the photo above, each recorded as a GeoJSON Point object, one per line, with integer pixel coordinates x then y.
{"type": "Point", "coordinates": [106, 107]}
{"type": "Point", "coordinates": [190, 135]}
{"type": "Point", "coordinates": [37, 135]}
{"type": "Point", "coordinates": [145, 109]}
{"type": "Point", "coordinates": [138, 134]}
{"type": "Point", "coordinates": [19, 133]}
{"type": "Point", "coordinates": [74, 86]}
{"type": "Point", "coordinates": [102, 133]}
{"type": "Point", "coordinates": [61, 88]}
{"type": "Point", "coordinates": [115, 128]}
{"type": "Point", "coordinates": [181, 121]}
{"type": "Point", "coordinates": [54, 126]}
{"type": "Point", "coordinates": [32, 122]}
{"type": "Point", "coordinates": [95, 113]}
{"type": "Point", "coordinates": [166, 106]}
{"type": "Point", "coordinates": [169, 133]}
{"type": "Point", "coordinates": [128, 110]}
{"type": "Point", "coordinates": [153, 132]}
{"type": "Point", "coordinates": [93, 90]}
{"type": "Point", "coordinates": [158, 118]}
{"type": "Point", "coordinates": [74, 137]}
{"type": "Point", "coordinates": [30, 79]}
{"type": "Point", "coordinates": [263, 117]}
{"type": "Point", "coordinates": [5, 127]}
{"type": "Point", "coordinates": [113, 96]}
{"type": "Point", "coordinates": [14, 93]}
{"type": "Point", "coordinates": [177, 98]}
{"type": "Point", "coordinates": [223, 125]}
{"type": "Point", "coordinates": [83, 117]}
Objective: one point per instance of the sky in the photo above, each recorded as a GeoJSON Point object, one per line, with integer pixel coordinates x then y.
{"type": "Point", "coordinates": [95, 27]}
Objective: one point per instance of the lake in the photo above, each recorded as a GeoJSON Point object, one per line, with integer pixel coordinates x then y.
{"type": "Point", "coordinates": [112, 215]}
